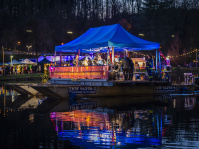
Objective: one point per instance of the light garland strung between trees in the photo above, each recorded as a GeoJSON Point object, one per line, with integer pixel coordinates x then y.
{"type": "Point", "coordinates": [183, 54]}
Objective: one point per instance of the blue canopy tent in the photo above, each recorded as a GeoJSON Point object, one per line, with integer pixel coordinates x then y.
{"type": "Point", "coordinates": [107, 36]}
{"type": "Point", "coordinates": [100, 38]}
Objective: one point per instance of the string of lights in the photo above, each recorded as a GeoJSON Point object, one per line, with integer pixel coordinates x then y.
{"type": "Point", "coordinates": [183, 54]}
{"type": "Point", "coordinates": [137, 53]}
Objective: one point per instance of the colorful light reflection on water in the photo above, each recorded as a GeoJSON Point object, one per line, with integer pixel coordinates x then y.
{"type": "Point", "coordinates": [27, 122]}
{"type": "Point", "coordinates": [92, 128]}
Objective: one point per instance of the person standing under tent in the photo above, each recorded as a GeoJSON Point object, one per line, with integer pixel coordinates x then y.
{"type": "Point", "coordinates": [149, 67]}
{"type": "Point", "coordinates": [125, 67]}
{"type": "Point", "coordinates": [15, 69]}
{"type": "Point", "coordinates": [131, 68]}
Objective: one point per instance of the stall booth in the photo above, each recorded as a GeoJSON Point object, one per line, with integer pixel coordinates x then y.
{"type": "Point", "coordinates": [140, 63]}
{"type": "Point", "coordinates": [27, 66]}
{"type": "Point", "coordinates": [45, 64]}
{"type": "Point", "coordinates": [104, 40]}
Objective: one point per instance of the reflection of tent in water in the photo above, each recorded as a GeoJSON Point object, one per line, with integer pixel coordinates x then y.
{"type": "Point", "coordinates": [27, 61]}
{"type": "Point", "coordinates": [94, 129]}
{"type": "Point", "coordinates": [14, 62]}
{"type": "Point", "coordinates": [44, 65]}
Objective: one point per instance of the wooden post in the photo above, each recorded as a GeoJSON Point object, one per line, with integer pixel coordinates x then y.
{"type": "Point", "coordinates": [4, 113]}
{"type": "Point", "coordinates": [160, 68]}
{"type": "Point", "coordinates": [156, 60]}
{"type": "Point", "coordinates": [196, 57]}
{"type": "Point", "coordinates": [3, 62]}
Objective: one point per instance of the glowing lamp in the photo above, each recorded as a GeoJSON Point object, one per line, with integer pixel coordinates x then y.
{"type": "Point", "coordinates": [29, 31]}
{"type": "Point", "coordinates": [140, 34]}
{"type": "Point", "coordinates": [69, 32]}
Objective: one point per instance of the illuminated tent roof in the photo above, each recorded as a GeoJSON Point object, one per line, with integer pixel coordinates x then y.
{"type": "Point", "coordinates": [27, 61]}
{"type": "Point", "coordinates": [107, 36]}
{"type": "Point", "coordinates": [14, 62]}
{"type": "Point", "coordinates": [44, 61]}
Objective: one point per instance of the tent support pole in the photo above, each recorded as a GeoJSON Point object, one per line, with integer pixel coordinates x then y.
{"type": "Point", "coordinates": [55, 58]}
{"type": "Point", "coordinates": [3, 62]}
{"type": "Point", "coordinates": [60, 59]}
{"type": "Point", "coordinates": [156, 60]}
{"type": "Point", "coordinates": [107, 55]}
{"type": "Point", "coordinates": [160, 68]}
{"type": "Point", "coordinates": [113, 55]}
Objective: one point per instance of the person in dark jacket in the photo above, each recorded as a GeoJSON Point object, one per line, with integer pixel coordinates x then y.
{"type": "Point", "coordinates": [131, 68]}
{"type": "Point", "coordinates": [149, 67]}
{"type": "Point", "coordinates": [125, 67]}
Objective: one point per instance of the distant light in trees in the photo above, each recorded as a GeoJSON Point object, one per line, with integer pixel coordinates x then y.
{"type": "Point", "coordinates": [172, 36]}
{"type": "Point", "coordinates": [29, 31]}
{"type": "Point", "coordinates": [62, 43]}
{"type": "Point", "coordinates": [168, 58]}
{"type": "Point", "coordinates": [140, 34]}
{"type": "Point", "coordinates": [18, 43]}
{"type": "Point", "coordinates": [69, 32]}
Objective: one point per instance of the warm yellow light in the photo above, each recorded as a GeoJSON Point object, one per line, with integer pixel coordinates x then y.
{"type": "Point", "coordinates": [140, 34]}
{"type": "Point", "coordinates": [28, 31]}
{"type": "Point", "coordinates": [28, 46]}
{"type": "Point", "coordinates": [62, 43]}
{"type": "Point", "coordinates": [172, 35]}
{"type": "Point", "coordinates": [69, 32]}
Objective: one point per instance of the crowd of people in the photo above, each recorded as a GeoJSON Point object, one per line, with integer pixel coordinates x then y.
{"type": "Point", "coordinates": [22, 69]}
{"type": "Point", "coordinates": [123, 69]}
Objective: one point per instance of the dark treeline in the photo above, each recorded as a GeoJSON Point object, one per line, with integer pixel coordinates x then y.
{"type": "Point", "coordinates": [173, 23]}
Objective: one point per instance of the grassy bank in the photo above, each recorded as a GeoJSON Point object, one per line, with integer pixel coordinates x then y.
{"type": "Point", "coordinates": [184, 69]}
{"type": "Point", "coordinates": [22, 77]}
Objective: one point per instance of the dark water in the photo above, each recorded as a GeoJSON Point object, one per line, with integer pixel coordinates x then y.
{"type": "Point", "coordinates": [123, 122]}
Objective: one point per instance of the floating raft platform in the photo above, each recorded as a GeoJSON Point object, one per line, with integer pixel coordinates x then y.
{"type": "Point", "coordinates": [64, 88]}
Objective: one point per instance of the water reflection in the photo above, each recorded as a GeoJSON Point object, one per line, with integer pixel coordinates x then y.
{"type": "Point", "coordinates": [138, 122]}
{"type": "Point", "coordinates": [98, 128]}
{"type": "Point", "coordinates": [189, 103]}
{"type": "Point", "coordinates": [168, 126]}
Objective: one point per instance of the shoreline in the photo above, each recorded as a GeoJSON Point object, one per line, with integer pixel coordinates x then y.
{"type": "Point", "coordinates": [21, 77]}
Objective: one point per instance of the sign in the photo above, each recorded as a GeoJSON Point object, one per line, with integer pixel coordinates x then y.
{"type": "Point", "coordinates": [164, 88]}
{"type": "Point", "coordinates": [82, 89]}
{"type": "Point", "coordinates": [80, 72]}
